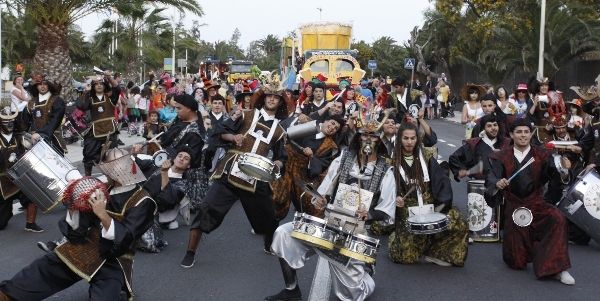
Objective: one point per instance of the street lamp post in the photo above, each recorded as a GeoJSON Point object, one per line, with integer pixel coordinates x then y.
{"type": "Point", "coordinates": [540, 74]}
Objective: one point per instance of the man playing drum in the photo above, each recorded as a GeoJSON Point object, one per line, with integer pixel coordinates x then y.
{"type": "Point", "coordinates": [471, 160]}
{"type": "Point", "coordinates": [534, 231]}
{"type": "Point", "coordinates": [42, 118]}
{"type": "Point", "coordinates": [100, 233]}
{"type": "Point", "coordinates": [421, 179]}
{"type": "Point", "coordinates": [11, 149]}
{"type": "Point", "coordinates": [308, 160]}
{"type": "Point", "coordinates": [255, 132]}
{"type": "Point", "coordinates": [363, 165]}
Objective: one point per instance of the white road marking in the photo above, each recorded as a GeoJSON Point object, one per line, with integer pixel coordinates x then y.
{"type": "Point", "coordinates": [451, 145]}
{"type": "Point", "coordinates": [441, 140]}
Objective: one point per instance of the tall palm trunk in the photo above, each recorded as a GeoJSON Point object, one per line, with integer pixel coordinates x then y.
{"type": "Point", "coordinates": [52, 55]}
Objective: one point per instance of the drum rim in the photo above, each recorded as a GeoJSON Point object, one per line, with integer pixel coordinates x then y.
{"type": "Point", "coordinates": [522, 209]}
{"type": "Point", "coordinates": [476, 182]}
{"type": "Point", "coordinates": [364, 238]}
{"type": "Point", "coordinates": [326, 244]}
{"type": "Point", "coordinates": [441, 215]}
{"type": "Point", "coordinates": [357, 256]}
{"type": "Point", "coordinates": [314, 218]}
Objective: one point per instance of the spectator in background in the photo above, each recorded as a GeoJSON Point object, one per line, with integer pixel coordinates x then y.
{"type": "Point", "coordinates": [159, 97]}
{"type": "Point", "coordinates": [144, 102]}
{"type": "Point", "coordinates": [364, 90]}
{"type": "Point", "coordinates": [18, 95]}
{"type": "Point", "coordinates": [168, 113]}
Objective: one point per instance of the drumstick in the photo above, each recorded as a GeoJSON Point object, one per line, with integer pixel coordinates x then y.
{"type": "Point", "coordinates": [152, 140]}
{"type": "Point", "coordinates": [410, 190]}
{"type": "Point", "coordinates": [521, 169]}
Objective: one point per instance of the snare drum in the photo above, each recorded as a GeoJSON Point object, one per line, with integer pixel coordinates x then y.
{"type": "Point", "coordinates": [314, 231]}
{"type": "Point", "coordinates": [360, 247]}
{"type": "Point", "coordinates": [581, 203]}
{"type": "Point", "coordinates": [43, 174]}
{"type": "Point", "coordinates": [429, 223]}
{"type": "Point", "coordinates": [483, 219]}
{"type": "Point", "coordinates": [258, 167]}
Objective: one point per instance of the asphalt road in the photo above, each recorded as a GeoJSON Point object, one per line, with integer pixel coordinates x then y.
{"type": "Point", "coordinates": [231, 265]}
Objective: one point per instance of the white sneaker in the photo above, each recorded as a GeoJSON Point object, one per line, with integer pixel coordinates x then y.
{"type": "Point", "coordinates": [252, 231]}
{"type": "Point", "coordinates": [437, 261]}
{"type": "Point", "coordinates": [173, 225]}
{"type": "Point", "coordinates": [565, 278]}
{"type": "Point", "coordinates": [471, 240]}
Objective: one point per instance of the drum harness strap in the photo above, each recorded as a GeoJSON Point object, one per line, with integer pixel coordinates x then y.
{"type": "Point", "coordinates": [258, 135]}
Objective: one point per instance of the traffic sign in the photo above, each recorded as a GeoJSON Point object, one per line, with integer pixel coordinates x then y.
{"type": "Point", "coordinates": [182, 63]}
{"type": "Point", "coordinates": [372, 64]}
{"type": "Point", "coordinates": [168, 63]}
{"type": "Point", "coordinates": [409, 63]}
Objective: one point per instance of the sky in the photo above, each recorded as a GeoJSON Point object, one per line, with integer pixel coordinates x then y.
{"type": "Point", "coordinates": [256, 19]}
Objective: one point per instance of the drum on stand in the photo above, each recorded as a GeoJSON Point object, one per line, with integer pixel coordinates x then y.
{"type": "Point", "coordinates": [581, 203]}
{"type": "Point", "coordinates": [43, 174]}
{"type": "Point", "coordinates": [484, 221]}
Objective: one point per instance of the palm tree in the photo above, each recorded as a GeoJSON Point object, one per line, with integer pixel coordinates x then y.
{"type": "Point", "coordinates": [271, 44]}
{"type": "Point", "coordinates": [53, 19]}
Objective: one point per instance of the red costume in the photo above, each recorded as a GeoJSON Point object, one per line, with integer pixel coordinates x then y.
{"type": "Point", "coordinates": [544, 241]}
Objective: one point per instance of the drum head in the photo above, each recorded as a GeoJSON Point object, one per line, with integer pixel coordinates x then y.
{"type": "Point", "coordinates": [522, 217]}
{"type": "Point", "coordinates": [160, 157]}
{"type": "Point", "coordinates": [480, 214]}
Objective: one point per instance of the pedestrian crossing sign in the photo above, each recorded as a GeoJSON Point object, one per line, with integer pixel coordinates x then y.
{"type": "Point", "coordinates": [409, 63]}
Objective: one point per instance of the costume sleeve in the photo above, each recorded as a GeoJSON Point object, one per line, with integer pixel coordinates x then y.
{"type": "Point", "coordinates": [77, 235]}
{"type": "Point", "coordinates": [430, 140]}
{"type": "Point", "coordinates": [460, 159]}
{"type": "Point", "coordinates": [495, 172]}
{"type": "Point", "coordinates": [330, 178]}
{"type": "Point", "coordinates": [229, 126]}
{"type": "Point", "coordinates": [387, 197]}
{"type": "Point", "coordinates": [318, 164]}
{"type": "Point", "coordinates": [56, 116]}
{"type": "Point", "coordinates": [279, 154]}
{"type": "Point", "coordinates": [168, 197]}
{"type": "Point", "coordinates": [137, 220]}
{"type": "Point", "coordinates": [440, 185]}
{"type": "Point", "coordinates": [84, 102]}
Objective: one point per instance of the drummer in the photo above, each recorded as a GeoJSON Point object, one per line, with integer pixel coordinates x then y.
{"type": "Point", "coordinates": [560, 130]}
{"type": "Point", "coordinates": [42, 119]}
{"type": "Point", "coordinates": [308, 160]}
{"type": "Point", "coordinates": [412, 167]}
{"type": "Point", "coordinates": [258, 132]}
{"type": "Point", "coordinates": [11, 149]}
{"type": "Point", "coordinates": [544, 240]}
{"type": "Point", "coordinates": [475, 151]}
{"type": "Point", "coordinates": [100, 238]}
{"type": "Point", "coordinates": [364, 164]}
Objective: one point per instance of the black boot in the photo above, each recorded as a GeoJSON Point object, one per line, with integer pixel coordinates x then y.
{"type": "Point", "coordinates": [291, 290]}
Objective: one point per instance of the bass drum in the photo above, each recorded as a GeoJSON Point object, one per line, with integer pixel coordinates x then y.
{"type": "Point", "coordinates": [581, 203]}
{"type": "Point", "coordinates": [484, 220]}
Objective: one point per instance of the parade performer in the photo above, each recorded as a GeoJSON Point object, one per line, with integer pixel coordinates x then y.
{"type": "Point", "coordinates": [42, 118]}
{"type": "Point", "coordinates": [317, 101]}
{"type": "Point", "coordinates": [362, 165]}
{"type": "Point", "coordinates": [103, 127]}
{"type": "Point", "coordinates": [100, 233]}
{"type": "Point", "coordinates": [307, 161]}
{"type": "Point", "coordinates": [412, 167]}
{"type": "Point", "coordinates": [544, 240]}
{"type": "Point", "coordinates": [257, 132]}
{"type": "Point", "coordinates": [400, 98]}
{"type": "Point", "coordinates": [477, 150]}
{"type": "Point", "coordinates": [11, 149]}
{"type": "Point", "coordinates": [152, 128]}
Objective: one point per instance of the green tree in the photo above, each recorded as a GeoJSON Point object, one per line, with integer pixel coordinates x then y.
{"type": "Point", "coordinates": [53, 19]}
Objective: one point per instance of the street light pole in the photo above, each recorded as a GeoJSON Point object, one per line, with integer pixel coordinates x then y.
{"type": "Point", "coordinates": [320, 12]}
{"type": "Point", "coordinates": [540, 74]}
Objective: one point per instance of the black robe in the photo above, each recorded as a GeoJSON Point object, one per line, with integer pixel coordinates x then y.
{"type": "Point", "coordinates": [194, 141]}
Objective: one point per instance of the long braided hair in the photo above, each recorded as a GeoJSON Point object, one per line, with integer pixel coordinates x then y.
{"type": "Point", "coordinates": [414, 173]}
